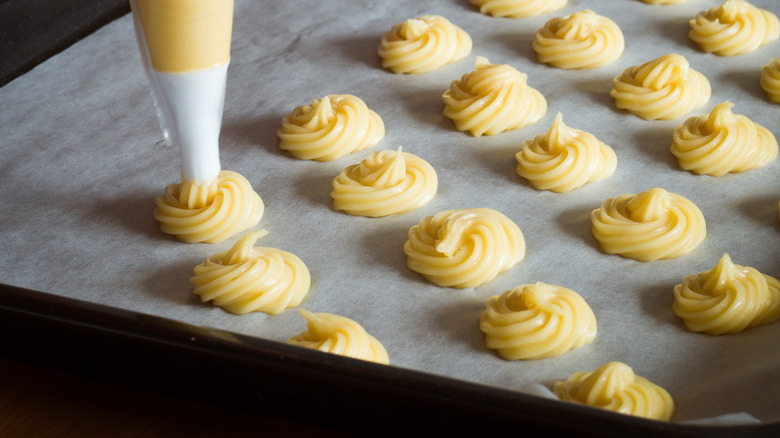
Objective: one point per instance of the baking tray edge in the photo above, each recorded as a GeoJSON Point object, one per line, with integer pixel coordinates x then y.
{"type": "Point", "coordinates": [255, 375]}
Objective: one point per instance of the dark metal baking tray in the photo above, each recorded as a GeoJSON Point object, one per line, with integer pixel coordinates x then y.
{"type": "Point", "coordinates": [252, 374]}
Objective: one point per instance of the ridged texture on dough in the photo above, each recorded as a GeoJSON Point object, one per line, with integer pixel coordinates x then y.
{"type": "Point", "coordinates": [329, 128]}
{"type": "Point", "coordinates": [492, 99]}
{"type": "Point", "coordinates": [564, 159]}
{"type": "Point", "coordinates": [252, 279]}
{"type": "Point", "coordinates": [648, 226]}
{"type": "Point", "coordinates": [615, 387]}
{"type": "Point", "coordinates": [337, 334]}
{"type": "Point", "coordinates": [579, 41]}
{"type": "Point", "coordinates": [517, 8]}
{"type": "Point", "coordinates": [664, 88]}
{"type": "Point", "coordinates": [209, 212]}
{"type": "Point", "coordinates": [536, 321]}
{"type": "Point", "coordinates": [385, 183]}
{"type": "Point", "coordinates": [419, 45]}
{"type": "Point", "coordinates": [727, 299]}
{"type": "Point", "coordinates": [722, 142]}
{"type": "Point", "coordinates": [734, 28]}
{"type": "Point", "coordinates": [770, 80]}
{"type": "Point", "coordinates": [464, 248]}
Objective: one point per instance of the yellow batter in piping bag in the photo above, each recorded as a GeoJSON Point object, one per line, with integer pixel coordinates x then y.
{"type": "Point", "coordinates": [185, 47]}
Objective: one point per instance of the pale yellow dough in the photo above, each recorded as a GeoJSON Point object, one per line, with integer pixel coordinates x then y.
{"type": "Point", "coordinates": [492, 99]}
{"type": "Point", "coordinates": [329, 128]}
{"type": "Point", "coordinates": [727, 299]}
{"type": "Point", "coordinates": [770, 80]}
{"type": "Point", "coordinates": [252, 279]}
{"type": "Point", "coordinates": [209, 212]}
{"type": "Point", "coordinates": [564, 159]}
{"type": "Point", "coordinates": [722, 142]}
{"type": "Point", "coordinates": [615, 387]}
{"type": "Point", "coordinates": [662, 89]}
{"type": "Point", "coordinates": [337, 334]}
{"type": "Point", "coordinates": [580, 40]}
{"type": "Point", "coordinates": [386, 182]}
{"type": "Point", "coordinates": [464, 248]}
{"type": "Point", "coordinates": [648, 226]}
{"type": "Point", "coordinates": [734, 28]}
{"type": "Point", "coordinates": [536, 321]}
{"type": "Point", "coordinates": [420, 45]}
{"type": "Point", "coordinates": [517, 8]}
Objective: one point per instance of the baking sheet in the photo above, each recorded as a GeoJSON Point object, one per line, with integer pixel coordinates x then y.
{"type": "Point", "coordinates": [83, 159]}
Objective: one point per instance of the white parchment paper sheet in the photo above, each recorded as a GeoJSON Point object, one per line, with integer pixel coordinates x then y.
{"type": "Point", "coordinates": [82, 160]}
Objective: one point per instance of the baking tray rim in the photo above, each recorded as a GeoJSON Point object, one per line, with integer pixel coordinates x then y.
{"type": "Point", "coordinates": [259, 375]}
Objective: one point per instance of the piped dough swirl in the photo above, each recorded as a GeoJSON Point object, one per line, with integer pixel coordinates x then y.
{"type": "Point", "coordinates": [722, 142]}
{"type": "Point", "coordinates": [492, 99]}
{"type": "Point", "coordinates": [648, 226]}
{"type": "Point", "coordinates": [464, 248]}
{"type": "Point", "coordinates": [734, 28]}
{"type": "Point", "coordinates": [579, 41]}
{"type": "Point", "coordinates": [420, 45]}
{"type": "Point", "coordinates": [517, 8]}
{"type": "Point", "coordinates": [340, 335]}
{"type": "Point", "coordinates": [386, 182]}
{"type": "Point", "coordinates": [252, 279]}
{"type": "Point", "coordinates": [536, 321]}
{"type": "Point", "coordinates": [329, 128]}
{"type": "Point", "coordinates": [209, 212]}
{"type": "Point", "coordinates": [564, 159]}
{"type": "Point", "coordinates": [615, 387]}
{"type": "Point", "coordinates": [662, 89]}
{"type": "Point", "coordinates": [770, 80]}
{"type": "Point", "coordinates": [727, 299]}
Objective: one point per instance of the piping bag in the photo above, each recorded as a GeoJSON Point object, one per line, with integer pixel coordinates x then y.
{"type": "Point", "coordinates": [185, 47]}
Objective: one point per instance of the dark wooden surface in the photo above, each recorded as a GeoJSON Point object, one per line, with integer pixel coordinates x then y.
{"type": "Point", "coordinates": [40, 401]}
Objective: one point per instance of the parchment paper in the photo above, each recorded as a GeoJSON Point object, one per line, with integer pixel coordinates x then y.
{"type": "Point", "coordinates": [83, 159]}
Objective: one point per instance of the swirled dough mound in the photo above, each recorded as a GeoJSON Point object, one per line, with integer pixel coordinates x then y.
{"type": "Point", "coordinates": [535, 321]}
{"type": "Point", "coordinates": [727, 299]}
{"type": "Point", "coordinates": [209, 212]}
{"type": "Point", "coordinates": [770, 80]}
{"type": "Point", "coordinates": [580, 40]}
{"type": "Point", "coordinates": [252, 279]}
{"type": "Point", "coordinates": [517, 8]}
{"type": "Point", "coordinates": [722, 142]}
{"type": "Point", "coordinates": [648, 226]}
{"type": "Point", "coordinates": [664, 88]}
{"type": "Point", "coordinates": [336, 334]}
{"type": "Point", "coordinates": [464, 248]}
{"type": "Point", "coordinates": [734, 28]}
{"type": "Point", "coordinates": [492, 99]}
{"type": "Point", "coordinates": [329, 128]}
{"type": "Point", "coordinates": [419, 45]}
{"type": "Point", "coordinates": [564, 159]}
{"type": "Point", "coordinates": [385, 183]}
{"type": "Point", "coordinates": [616, 388]}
